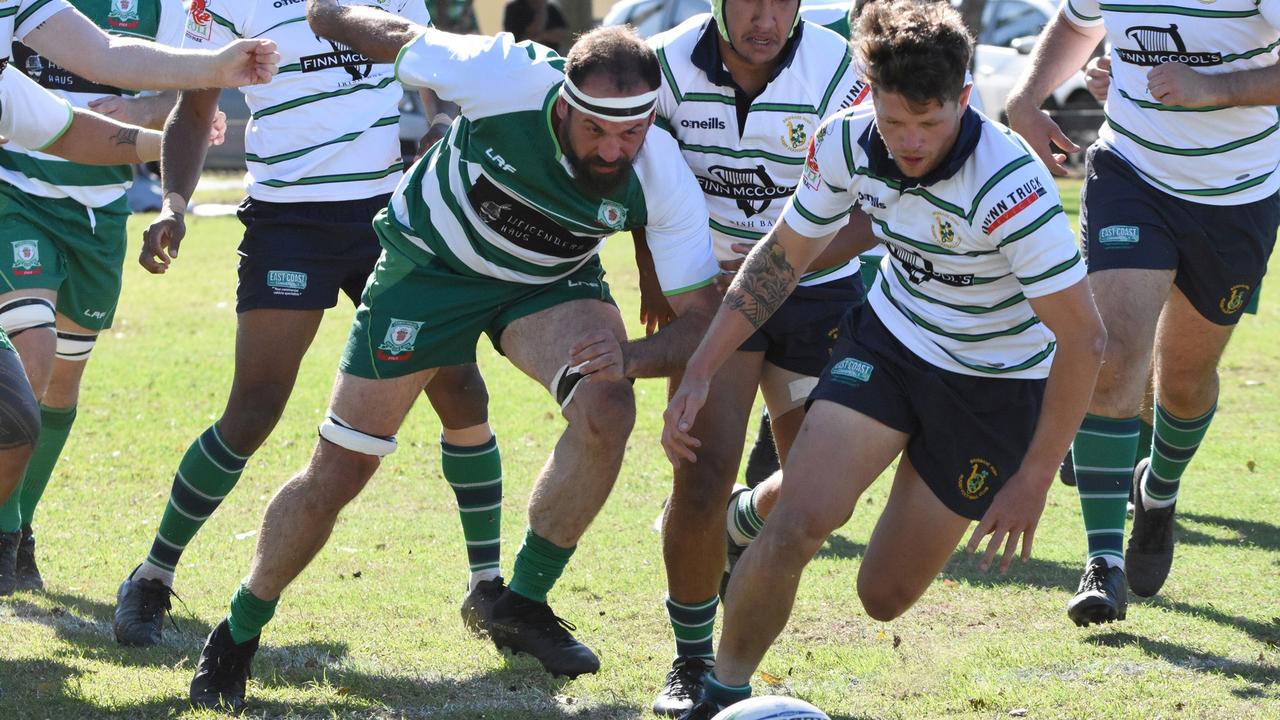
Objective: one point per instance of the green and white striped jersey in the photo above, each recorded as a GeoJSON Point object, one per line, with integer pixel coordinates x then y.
{"type": "Point", "coordinates": [29, 114]}
{"type": "Point", "coordinates": [1225, 155]}
{"type": "Point", "coordinates": [43, 175]}
{"type": "Point", "coordinates": [747, 172]}
{"type": "Point", "coordinates": [967, 244]}
{"type": "Point", "coordinates": [326, 128]}
{"type": "Point", "coordinates": [496, 198]}
{"type": "Point", "coordinates": [19, 17]}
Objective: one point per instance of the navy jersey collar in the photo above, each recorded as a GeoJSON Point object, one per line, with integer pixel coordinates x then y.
{"type": "Point", "coordinates": [882, 165]}
{"type": "Point", "coordinates": [706, 55]}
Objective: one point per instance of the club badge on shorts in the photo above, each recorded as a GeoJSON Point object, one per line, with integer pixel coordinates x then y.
{"type": "Point", "coordinates": [978, 482]}
{"type": "Point", "coordinates": [397, 346]}
{"type": "Point", "coordinates": [26, 257]}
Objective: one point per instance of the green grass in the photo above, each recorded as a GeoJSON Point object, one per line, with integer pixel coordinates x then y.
{"type": "Point", "coordinates": [371, 629]}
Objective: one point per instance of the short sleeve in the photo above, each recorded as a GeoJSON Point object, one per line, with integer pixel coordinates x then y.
{"type": "Point", "coordinates": [212, 24]}
{"type": "Point", "coordinates": [1023, 217]}
{"type": "Point", "coordinates": [31, 14]}
{"type": "Point", "coordinates": [416, 11]}
{"type": "Point", "coordinates": [1084, 13]}
{"type": "Point", "coordinates": [822, 201]}
{"type": "Point", "coordinates": [677, 230]}
{"type": "Point", "coordinates": [31, 116]}
{"type": "Point", "coordinates": [173, 20]}
{"type": "Point", "coordinates": [484, 75]}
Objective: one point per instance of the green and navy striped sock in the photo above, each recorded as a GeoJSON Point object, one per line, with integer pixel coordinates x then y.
{"type": "Point", "coordinates": [1103, 452]}
{"type": "Point", "coordinates": [1176, 442]}
{"type": "Point", "coordinates": [694, 624]}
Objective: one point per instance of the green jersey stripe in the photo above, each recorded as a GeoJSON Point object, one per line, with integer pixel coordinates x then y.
{"type": "Point", "coordinates": [959, 337]}
{"type": "Point", "coordinates": [783, 107]}
{"type": "Point", "coordinates": [392, 169]}
{"type": "Point", "coordinates": [293, 67]}
{"type": "Point", "coordinates": [709, 98]}
{"type": "Point", "coordinates": [994, 180]}
{"type": "Point", "coordinates": [6, 12]}
{"type": "Point", "coordinates": [1207, 192]}
{"type": "Point", "coordinates": [735, 232]}
{"type": "Point", "coordinates": [317, 97]}
{"type": "Point", "coordinates": [730, 152]}
{"type": "Point", "coordinates": [831, 86]}
{"type": "Point", "coordinates": [282, 157]}
{"type": "Point", "coordinates": [1055, 270]}
{"type": "Point", "coordinates": [224, 22]}
{"type": "Point", "coordinates": [1192, 152]}
{"type": "Point", "coordinates": [688, 288]}
{"type": "Point", "coordinates": [1232, 57]}
{"type": "Point", "coordinates": [1030, 362]}
{"type": "Point", "coordinates": [847, 144]}
{"type": "Point", "coordinates": [1082, 16]}
{"type": "Point", "coordinates": [927, 247]}
{"type": "Point", "coordinates": [1035, 225]}
{"type": "Point", "coordinates": [1148, 105]}
{"type": "Point", "coordinates": [31, 10]}
{"type": "Point", "coordinates": [67, 174]}
{"type": "Point", "coordinates": [671, 78]}
{"type": "Point", "coordinates": [1175, 10]}
{"type": "Point", "coordinates": [284, 22]}
{"type": "Point", "coordinates": [816, 274]}
{"type": "Point", "coordinates": [969, 309]}
{"type": "Point", "coordinates": [816, 219]}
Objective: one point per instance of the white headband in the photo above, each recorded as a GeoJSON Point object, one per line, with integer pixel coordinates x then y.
{"type": "Point", "coordinates": [620, 109]}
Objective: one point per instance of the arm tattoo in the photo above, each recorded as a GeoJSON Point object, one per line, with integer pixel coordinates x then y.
{"type": "Point", "coordinates": [126, 136]}
{"type": "Point", "coordinates": [765, 280]}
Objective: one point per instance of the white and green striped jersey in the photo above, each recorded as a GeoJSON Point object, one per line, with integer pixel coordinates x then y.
{"type": "Point", "coordinates": [967, 244]}
{"type": "Point", "coordinates": [326, 128]}
{"type": "Point", "coordinates": [29, 114]}
{"type": "Point", "coordinates": [19, 17]}
{"type": "Point", "coordinates": [44, 175]}
{"type": "Point", "coordinates": [1222, 155]}
{"type": "Point", "coordinates": [496, 198]}
{"type": "Point", "coordinates": [748, 170]}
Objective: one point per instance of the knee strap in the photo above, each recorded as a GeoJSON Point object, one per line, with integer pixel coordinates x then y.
{"type": "Point", "coordinates": [343, 435]}
{"type": "Point", "coordinates": [26, 313]}
{"type": "Point", "coordinates": [565, 383]}
{"type": "Point", "coordinates": [75, 346]}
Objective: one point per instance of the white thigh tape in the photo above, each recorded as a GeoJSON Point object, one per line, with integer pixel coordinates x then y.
{"type": "Point", "coordinates": [25, 313]}
{"type": "Point", "coordinates": [343, 435]}
{"type": "Point", "coordinates": [565, 383]}
{"type": "Point", "coordinates": [801, 388]}
{"type": "Point", "coordinates": [75, 346]}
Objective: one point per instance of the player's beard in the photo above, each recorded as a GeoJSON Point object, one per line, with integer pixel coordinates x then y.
{"type": "Point", "coordinates": [589, 180]}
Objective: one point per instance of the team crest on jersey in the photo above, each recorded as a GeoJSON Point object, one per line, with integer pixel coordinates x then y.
{"type": "Point", "coordinates": [943, 232]}
{"type": "Point", "coordinates": [199, 21]}
{"type": "Point", "coordinates": [26, 257]}
{"type": "Point", "coordinates": [611, 215]}
{"type": "Point", "coordinates": [978, 481]}
{"type": "Point", "coordinates": [398, 344]}
{"type": "Point", "coordinates": [1235, 300]}
{"type": "Point", "coordinates": [124, 14]}
{"type": "Point", "coordinates": [796, 135]}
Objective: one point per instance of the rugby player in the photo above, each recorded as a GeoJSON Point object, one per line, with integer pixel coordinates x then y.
{"type": "Point", "coordinates": [971, 363]}
{"type": "Point", "coordinates": [1178, 215]}
{"type": "Point", "coordinates": [496, 230]}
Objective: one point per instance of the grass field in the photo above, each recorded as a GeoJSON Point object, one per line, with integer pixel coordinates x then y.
{"type": "Point", "coordinates": [371, 630]}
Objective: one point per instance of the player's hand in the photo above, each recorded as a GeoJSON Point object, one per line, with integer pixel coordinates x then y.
{"type": "Point", "coordinates": [161, 239]}
{"type": "Point", "coordinates": [1097, 77]}
{"type": "Point", "coordinates": [116, 108]}
{"type": "Point", "coordinates": [655, 310]}
{"type": "Point", "coordinates": [1041, 133]}
{"type": "Point", "coordinates": [677, 422]}
{"type": "Point", "coordinates": [1012, 517]}
{"type": "Point", "coordinates": [731, 265]}
{"type": "Point", "coordinates": [1178, 84]}
{"type": "Point", "coordinates": [599, 357]}
{"type": "Point", "coordinates": [218, 131]}
{"type": "Point", "coordinates": [246, 62]}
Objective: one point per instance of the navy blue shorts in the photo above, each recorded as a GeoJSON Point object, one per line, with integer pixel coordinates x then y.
{"type": "Point", "coordinates": [968, 434]}
{"type": "Point", "coordinates": [299, 256]}
{"type": "Point", "coordinates": [1219, 253]}
{"type": "Point", "coordinates": [800, 335]}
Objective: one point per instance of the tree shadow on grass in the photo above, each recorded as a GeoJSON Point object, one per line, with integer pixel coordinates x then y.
{"type": "Point", "coordinates": [1267, 632]}
{"type": "Point", "coordinates": [843, 548]}
{"type": "Point", "coordinates": [1049, 574]}
{"type": "Point", "coordinates": [1247, 532]}
{"type": "Point", "coordinates": [1264, 678]}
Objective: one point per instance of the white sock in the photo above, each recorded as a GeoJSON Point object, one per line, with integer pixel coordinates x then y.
{"type": "Point", "coordinates": [480, 576]}
{"type": "Point", "coordinates": [150, 571]}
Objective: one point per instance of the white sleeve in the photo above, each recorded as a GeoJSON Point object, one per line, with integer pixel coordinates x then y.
{"type": "Point", "coordinates": [823, 200]}
{"type": "Point", "coordinates": [484, 75]}
{"type": "Point", "coordinates": [1270, 10]}
{"type": "Point", "coordinates": [30, 115]}
{"type": "Point", "coordinates": [416, 11]}
{"type": "Point", "coordinates": [850, 90]}
{"type": "Point", "coordinates": [173, 18]}
{"type": "Point", "coordinates": [32, 13]}
{"type": "Point", "coordinates": [1084, 13]}
{"type": "Point", "coordinates": [1023, 217]}
{"type": "Point", "coordinates": [677, 229]}
{"type": "Point", "coordinates": [212, 24]}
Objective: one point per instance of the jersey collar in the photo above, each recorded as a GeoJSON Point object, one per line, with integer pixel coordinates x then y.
{"type": "Point", "coordinates": [881, 163]}
{"type": "Point", "coordinates": [706, 55]}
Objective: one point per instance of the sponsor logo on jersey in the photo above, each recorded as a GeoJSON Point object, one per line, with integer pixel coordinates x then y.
{"type": "Point", "coordinates": [852, 371]}
{"type": "Point", "coordinates": [124, 14]}
{"type": "Point", "coordinates": [872, 200]}
{"type": "Point", "coordinates": [1021, 198]}
{"type": "Point", "coordinates": [1235, 300]}
{"type": "Point", "coordinates": [796, 133]}
{"type": "Point", "coordinates": [285, 3]}
{"type": "Point", "coordinates": [52, 76]}
{"type": "Point", "coordinates": [499, 160]}
{"type": "Point", "coordinates": [397, 346]}
{"type": "Point", "coordinates": [1159, 45]}
{"type": "Point", "coordinates": [26, 257]}
{"type": "Point", "coordinates": [199, 21]}
{"type": "Point", "coordinates": [286, 282]}
{"type": "Point", "coordinates": [1118, 237]}
{"type": "Point", "coordinates": [611, 215]}
{"type": "Point", "coordinates": [812, 176]}
{"type": "Point", "coordinates": [919, 269]}
{"type": "Point", "coordinates": [977, 482]}
{"type": "Point", "coordinates": [752, 188]}
{"type": "Point", "coordinates": [357, 64]}
{"type": "Point", "coordinates": [943, 232]}
{"type": "Point", "coordinates": [706, 124]}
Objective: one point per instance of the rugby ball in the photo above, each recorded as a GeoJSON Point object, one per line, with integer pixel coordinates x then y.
{"type": "Point", "coordinates": [771, 707]}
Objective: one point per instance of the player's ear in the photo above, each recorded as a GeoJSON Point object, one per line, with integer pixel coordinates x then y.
{"type": "Point", "coordinates": [562, 109]}
{"type": "Point", "coordinates": [964, 96]}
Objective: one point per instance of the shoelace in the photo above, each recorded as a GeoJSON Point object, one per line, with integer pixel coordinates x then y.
{"type": "Point", "coordinates": [557, 626]}
{"type": "Point", "coordinates": [156, 601]}
{"type": "Point", "coordinates": [1094, 578]}
{"type": "Point", "coordinates": [685, 678]}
